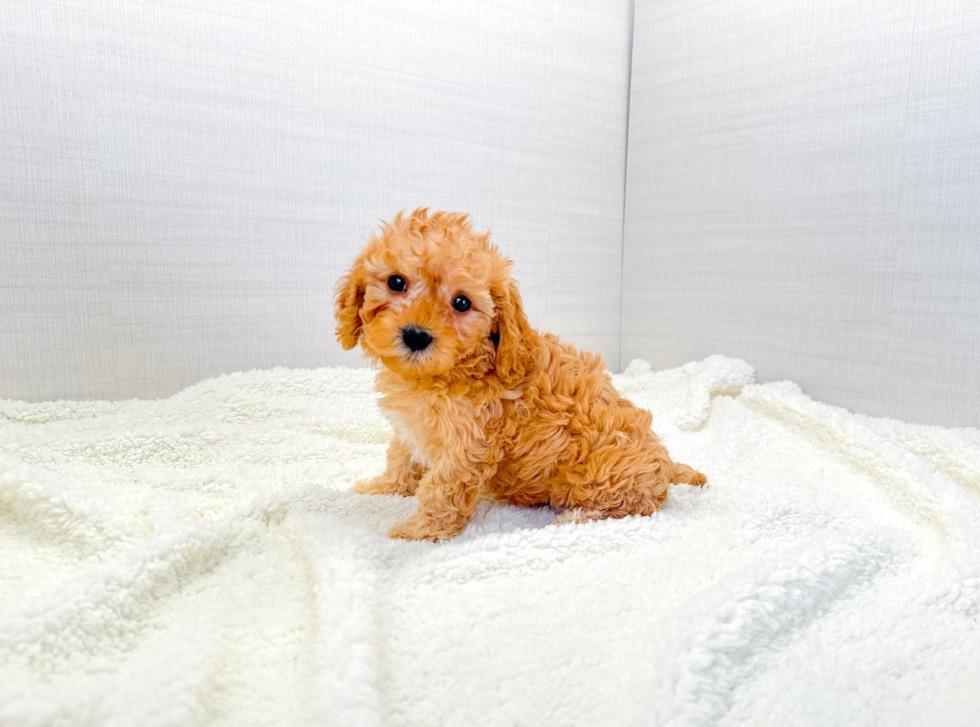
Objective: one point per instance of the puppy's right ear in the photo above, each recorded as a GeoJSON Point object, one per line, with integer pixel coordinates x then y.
{"type": "Point", "coordinates": [350, 298]}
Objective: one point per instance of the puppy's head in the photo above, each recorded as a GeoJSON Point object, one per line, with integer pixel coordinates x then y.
{"type": "Point", "coordinates": [428, 293]}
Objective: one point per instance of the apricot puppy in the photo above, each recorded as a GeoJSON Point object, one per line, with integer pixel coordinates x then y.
{"type": "Point", "coordinates": [481, 404]}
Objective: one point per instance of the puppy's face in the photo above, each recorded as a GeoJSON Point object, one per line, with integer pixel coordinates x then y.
{"type": "Point", "coordinates": [424, 294]}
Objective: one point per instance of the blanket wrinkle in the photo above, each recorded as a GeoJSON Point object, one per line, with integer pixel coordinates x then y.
{"type": "Point", "coordinates": [201, 560]}
{"type": "Point", "coordinates": [723, 641]}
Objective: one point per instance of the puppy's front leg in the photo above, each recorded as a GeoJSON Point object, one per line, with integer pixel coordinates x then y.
{"type": "Point", "coordinates": [447, 497]}
{"type": "Point", "coordinates": [401, 475]}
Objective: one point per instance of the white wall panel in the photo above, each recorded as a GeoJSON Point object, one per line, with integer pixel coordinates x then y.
{"type": "Point", "coordinates": [803, 191]}
{"type": "Point", "coordinates": [181, 183]}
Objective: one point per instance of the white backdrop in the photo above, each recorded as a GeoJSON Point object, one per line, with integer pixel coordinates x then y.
{"type": "Point", "coordinates": [181, 183]}
{"type": "Point", "coordinates": [803, 192]}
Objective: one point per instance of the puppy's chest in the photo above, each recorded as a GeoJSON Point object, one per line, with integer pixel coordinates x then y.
{"type": "Point", "coordinates": [409, 430]}
{"type": "Point", "coordinates": [429, 428]}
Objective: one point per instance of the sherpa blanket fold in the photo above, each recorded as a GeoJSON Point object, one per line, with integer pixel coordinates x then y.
{"type": "Point", "coordinates": [200, 560]}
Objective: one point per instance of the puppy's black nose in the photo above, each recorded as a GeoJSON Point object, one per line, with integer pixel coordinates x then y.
{"type": "Point", "coordinates": [416, 339]}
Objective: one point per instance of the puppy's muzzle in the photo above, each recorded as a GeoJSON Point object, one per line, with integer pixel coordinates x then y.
{"type": "Point", "coordinates": [415, 339]}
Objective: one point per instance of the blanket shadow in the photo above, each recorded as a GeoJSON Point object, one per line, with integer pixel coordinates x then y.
{"type": "Point", "coordinates": [500, 517]}
{"type": "Point", "coordinates": [378, 513]}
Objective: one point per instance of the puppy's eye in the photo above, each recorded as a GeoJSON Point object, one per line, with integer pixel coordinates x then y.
{"type": "Point", "coordinates": [396, 283]}
{"type": "Point", "coordinates": [461, 303]}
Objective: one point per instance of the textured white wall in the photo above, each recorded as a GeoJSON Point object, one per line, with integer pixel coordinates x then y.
{"type": "Point", "coordinates": [181, 183]}
{"type": "Point", "coordinates": [803, 191]}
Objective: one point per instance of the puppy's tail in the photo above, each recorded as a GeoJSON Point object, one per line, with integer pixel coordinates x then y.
{"type": "Point", "coordinates": [687, 475]}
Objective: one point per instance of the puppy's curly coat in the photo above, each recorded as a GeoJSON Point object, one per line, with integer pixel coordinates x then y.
{"type": "Point", "coordinates": [482, 404]}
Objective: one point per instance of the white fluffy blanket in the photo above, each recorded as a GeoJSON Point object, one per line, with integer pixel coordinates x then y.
{"type": "Point", "coordinates": [199, 560]}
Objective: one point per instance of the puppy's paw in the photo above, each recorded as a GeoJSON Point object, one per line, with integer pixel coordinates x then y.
{"type": "Point", "coordinates": [579, 515]}
{"type": "Point", "coordinates": [383, 485]}
{"type": "Point", "coordinates": [418, 527]}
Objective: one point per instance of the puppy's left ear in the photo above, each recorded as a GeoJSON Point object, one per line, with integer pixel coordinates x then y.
{"type": "Point", "coordinates": [512, 335]}
{"type": "Point", "coordinates": [350, 298]}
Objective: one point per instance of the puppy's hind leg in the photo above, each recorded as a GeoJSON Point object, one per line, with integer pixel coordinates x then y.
{"type": "Point", "coordinates": [639, 493]}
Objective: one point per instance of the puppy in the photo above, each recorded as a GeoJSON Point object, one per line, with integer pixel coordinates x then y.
{"type": "Point", "coordinates": [481, 404]}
